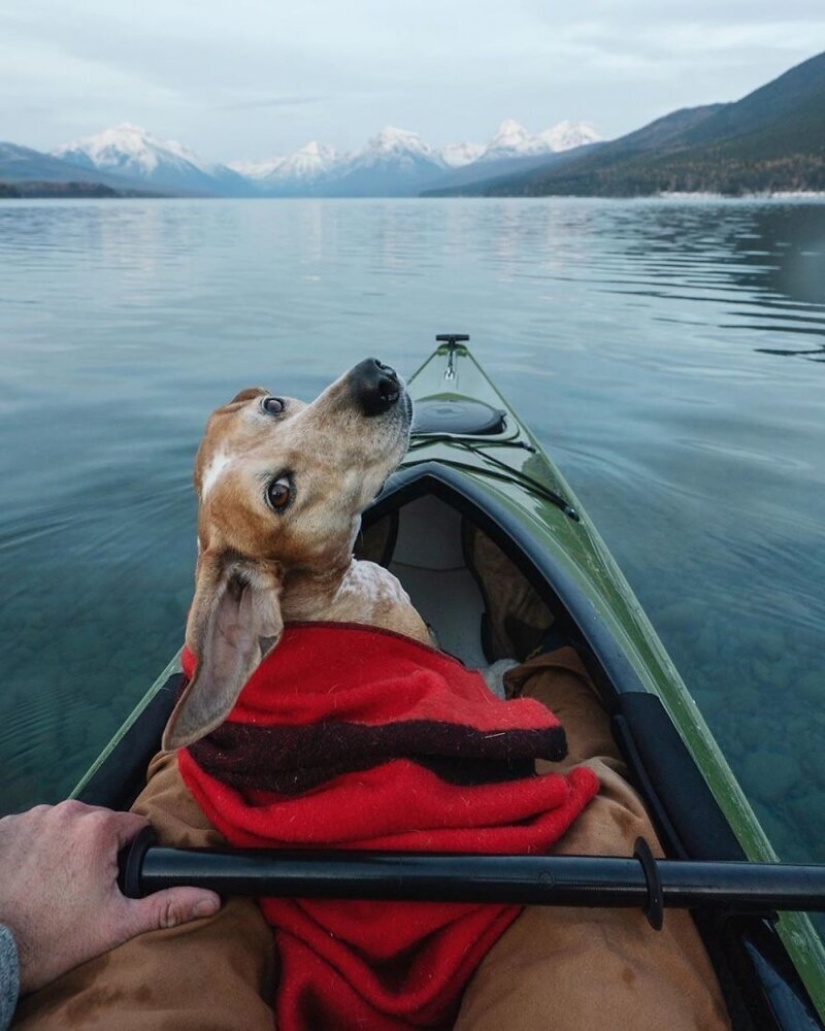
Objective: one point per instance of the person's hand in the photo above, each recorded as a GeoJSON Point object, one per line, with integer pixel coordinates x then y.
{"type": "Point", "coordinates": [59, 894]}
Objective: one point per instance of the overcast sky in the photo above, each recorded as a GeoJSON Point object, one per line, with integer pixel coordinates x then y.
{"type": "Point", "coordinates": [255, 78]}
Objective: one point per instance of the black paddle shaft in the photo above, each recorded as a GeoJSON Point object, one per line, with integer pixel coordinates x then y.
{"type": "Point", "coordinates": [594, 881]}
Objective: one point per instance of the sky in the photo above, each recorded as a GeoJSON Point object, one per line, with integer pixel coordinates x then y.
{"type": "Point", "coordinates": [255, 78]}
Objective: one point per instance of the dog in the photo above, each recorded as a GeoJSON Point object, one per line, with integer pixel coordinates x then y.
{"type": "Point", "coordinates": [281, 486]}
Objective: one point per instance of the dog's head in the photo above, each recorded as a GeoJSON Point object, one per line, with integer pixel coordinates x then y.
{"type": "Point", "coordinates": [281, 486]}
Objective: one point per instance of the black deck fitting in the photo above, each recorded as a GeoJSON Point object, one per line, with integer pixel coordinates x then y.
{"type": "Point", "coordinates": [452, 338]}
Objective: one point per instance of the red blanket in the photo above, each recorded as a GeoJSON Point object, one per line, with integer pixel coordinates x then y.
{"type": "Point", "coordinates": [348, 737]}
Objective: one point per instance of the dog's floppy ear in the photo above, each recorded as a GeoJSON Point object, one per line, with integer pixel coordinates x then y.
{"type": "Point", "coordinates": [234, 621]}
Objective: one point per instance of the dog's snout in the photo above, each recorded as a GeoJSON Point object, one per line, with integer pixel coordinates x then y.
{"type": "Point", "coordinates": [376, 386]}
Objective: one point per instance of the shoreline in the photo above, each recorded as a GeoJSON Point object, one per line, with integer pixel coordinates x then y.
{"type": "Point", "coordinates": [818, 195]}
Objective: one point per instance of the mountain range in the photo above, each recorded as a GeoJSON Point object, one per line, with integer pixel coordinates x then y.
{"type": "Point", "coordinates": [393, 163]}
{"type": "Point", "coordinates": [772, 140]}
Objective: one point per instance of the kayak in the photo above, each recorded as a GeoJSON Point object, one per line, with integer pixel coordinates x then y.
{"type": "Point", "coordinates": [475, 473]}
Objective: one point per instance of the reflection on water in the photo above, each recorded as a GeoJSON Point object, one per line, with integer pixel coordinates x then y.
{"type": "Point", "coordinates": [666, 353]}
{"type": "Point", "coordinates": [773, 256]}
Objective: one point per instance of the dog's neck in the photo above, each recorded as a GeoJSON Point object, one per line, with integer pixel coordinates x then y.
{"type": "Point", "coordinates": [360, 592]}
{"type": "Point", "coordinates": [307, 595]}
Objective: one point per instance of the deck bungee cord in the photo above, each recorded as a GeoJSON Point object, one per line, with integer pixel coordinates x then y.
{"type": "Point", "coordinates": [480, 449]}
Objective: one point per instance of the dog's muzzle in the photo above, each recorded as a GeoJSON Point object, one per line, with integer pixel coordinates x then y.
{"type": "Point", "coordinates": [375, 386]}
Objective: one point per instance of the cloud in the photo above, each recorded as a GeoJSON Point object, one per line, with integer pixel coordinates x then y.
{"type": "Point", "coordinates": [277, 102]}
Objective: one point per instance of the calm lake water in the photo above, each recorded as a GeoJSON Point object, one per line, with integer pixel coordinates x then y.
{"type": "Point", "coordinates": [669, 354]}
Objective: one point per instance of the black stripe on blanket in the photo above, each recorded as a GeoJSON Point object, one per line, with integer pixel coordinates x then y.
{"type": "Point", "coordinates": [291, 760]}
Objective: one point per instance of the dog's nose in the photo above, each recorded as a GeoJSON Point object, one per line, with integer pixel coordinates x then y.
{"type": "Point", "coordinates": [375, 386]}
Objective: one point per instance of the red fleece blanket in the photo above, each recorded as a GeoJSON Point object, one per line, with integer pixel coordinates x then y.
{"type": "Point", "coordinates": [349, 737]}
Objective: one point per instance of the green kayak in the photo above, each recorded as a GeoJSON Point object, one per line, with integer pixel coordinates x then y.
{"type": "Point", "coordinates": [474, 467]}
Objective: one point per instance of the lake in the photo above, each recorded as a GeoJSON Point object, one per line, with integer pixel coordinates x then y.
{"type": "Point", "coordinates": [669, 354]}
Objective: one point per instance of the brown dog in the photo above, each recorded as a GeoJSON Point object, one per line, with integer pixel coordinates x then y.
{"type": "Point", "coordinates": [281, 487]}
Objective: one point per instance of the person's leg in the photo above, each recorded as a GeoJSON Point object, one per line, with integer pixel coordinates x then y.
{"type": "Point", "coordinates": [582, 969]}
{"type": "Point", "coordinates": [215, 974]}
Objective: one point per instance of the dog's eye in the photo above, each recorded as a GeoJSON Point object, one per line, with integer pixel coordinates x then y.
{"type": "Point", "coordinates": [273, 405]}
{"type": "Point", "coordinates": [279, 492]}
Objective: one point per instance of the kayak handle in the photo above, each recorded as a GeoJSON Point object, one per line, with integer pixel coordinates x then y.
{"type": "Point", "coordinates": [596, 881]}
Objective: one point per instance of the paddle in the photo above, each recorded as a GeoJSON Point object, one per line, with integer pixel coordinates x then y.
{"type": "Point", "coordinates": [526, 880]}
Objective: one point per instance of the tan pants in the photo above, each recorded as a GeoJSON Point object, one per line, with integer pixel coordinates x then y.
{"type": "Point", "coordinates": [572, 969]}
{"type": "Point", "coordinates": [555, 968]}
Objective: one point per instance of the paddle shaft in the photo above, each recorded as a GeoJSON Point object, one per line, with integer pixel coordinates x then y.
{"type": "Point", "coordinates": [525, 880]}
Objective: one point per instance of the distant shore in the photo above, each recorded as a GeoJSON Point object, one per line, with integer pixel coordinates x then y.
{"type": "Point", "coordinates": [758, 195]}
{"type": "Point", "coordinates": [27, 190]}
{"type": "Point", "coordinates": [97, 191]}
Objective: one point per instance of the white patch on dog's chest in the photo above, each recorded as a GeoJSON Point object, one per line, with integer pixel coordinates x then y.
{"type": "Point", "coordinates": [219, 462]}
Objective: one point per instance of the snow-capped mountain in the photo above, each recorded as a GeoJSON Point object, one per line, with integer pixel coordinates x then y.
{"type": "Point", "coordinates": [24, 165]}
{"type": "Point", "coordinates": [166, 165]}
{"type": "Point", "coordinates": [395, 146]}
{"type": "Point", "coordinates": [457, 155]}
{"type": "Point", "coordinates": [393, 163]}
{"type": "Point", "coordinates": [256, 170]}
{"type": "Point", "coordinates": [306, 165]}
{"type": "Point", "coordinates": [513, 141]}
{"type": "Point", "coordinates": [567, 135]}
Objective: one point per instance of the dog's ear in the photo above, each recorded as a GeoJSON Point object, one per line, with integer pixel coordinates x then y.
{"type": "Point", "coordinates": [234, 621]}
